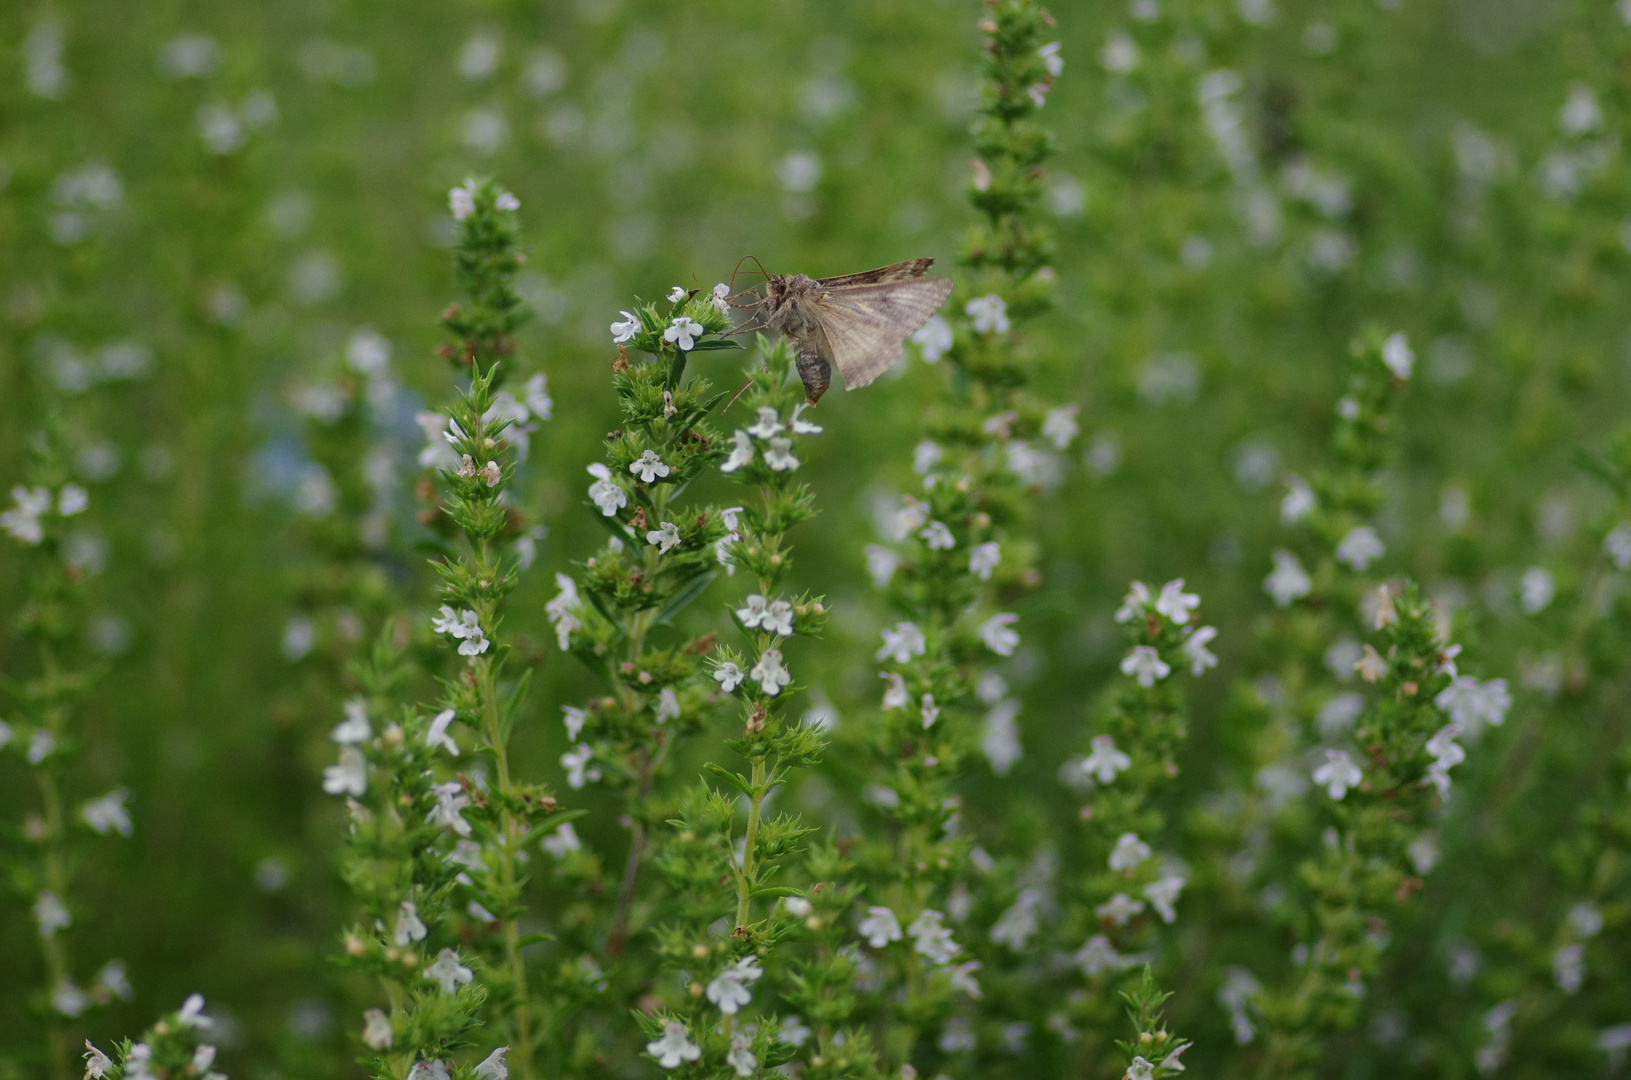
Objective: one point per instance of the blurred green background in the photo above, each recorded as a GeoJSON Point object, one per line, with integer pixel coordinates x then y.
{"type": "Point", "coordinates": [222, 193]}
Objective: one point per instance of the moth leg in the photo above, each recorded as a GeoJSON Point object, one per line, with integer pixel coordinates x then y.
{"type": "Point", "coordinates": [814, 370]}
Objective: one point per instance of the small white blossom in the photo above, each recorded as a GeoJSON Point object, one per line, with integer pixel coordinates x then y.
{"type": "Point", "coordinates": [932, 939]}
{"type": "Point", "coordinates": [937, 537]}
{"type": "Point", "coordinates": [354, 728]}
{"type": "Point", "coordinates": [649, 467]}
{"type": "Point", "coordinates": [769, 424]}
{"type": "Point", "coordinates": [1119, 909]}
{"type": "Point", "coordinates": [754, 610]}
{"type": "Point", "coordinates": [1586, 919]}
{"type": "Point", "coordinates": [462, 200]}
{"type": "Point", "coordinates": [447, 972]}
{"type": "Point", "coordinates": [623, 331]}
{"type": "Point", "coordinates": [881, 564]}
{"type": "Point", "coordinates": [1470, 703]}
{"type": "Point", "coordinates": [1105, 761]}
{"type": "Point", "coordinates": [772, 676]}
{"type": "Point", "coordinates": [1444, 750]}
{"type": "Point", "coordinates": [933, 339]}
{"type": "Point", "coordinates": [1145, 664]}
{"type": "Point", "coordinates": [41, 746]}
{"type": "Point", "coordinates": [1535, 590]}
{"type": "Point", "coordinates": [961, 977]}
{"type": "Point", "coordinates": [492, 1066]}
{"type": "Point", "coordinates": [721, 298]}
{"type": "Point", "coordinates": [668, 705]}
{"type": "Point", "coordinates": [794, 1031]}
{"type": "Point", "coordinates": [1370, 665]}
{"type": "Point", "coordinates": [1060, 426]}
{"type": "Point", "coordinates": [894, 695]}
{"type": "Point", "coordinates": [1051, 58]}
{"type": "Point", "coordinates": [1163, 895]}
{"type": "Point", "coordinates": [491, 474]}
{"type": "Point", "coordinates": [576, 763]}
{"type": "Point", "coordinates": [574, 719]}
{"type": "Point", "coordinates": [51, 914]}
{"type": "Point", "coordinates": [902, 643]}
{"type": "Point", "coordinates": [348, 776]}
{"type": "Point", "coordinates": [880, 927]}
{"type": "Point", "coordinates": [1397, 355]}
{"type": "Point", "coordinates": [741, 452]}
{"type": "Point", "coordinates": [729, 676]}
{"type": "Point", "coordinates": [1360, 548]}
{"type": "Point", "coordinates": [1176, 604]}
{"type": "Point", "coordinates": [562, 841]}
{"type": "Point", "coordinates": [740, 1057]}
{"type": "Point", "coordinates": [563, 609]}
{"type": "Point", "coordinates": [22, 521]}
{"type": "Point", "coordinates": [778, 618]}
{"type": "Point", "coordinates": [729, 989]}
{"type": "Point", "coordinates": [436, 735]}
{"type": "Point", "coordinates": [674, 1046]}
{"type": "Point", "coordinates": [68, 999]}
{"type": "Point", "coordinates": [1569, 967]}
{"type": "Point", "coordinates": [989, 314]}
{"type": "Point", "coordinates": [1289, 581]}
{"type": "Point", "coordinates": [108, 813]}
{"type": "Point", "coordinates": [779, 455]}
{"type": "Point", "coordinates": [1096, 956]}
{"type": "Point", "coordinates": [1195, 650]}
{"type": "Point", "coordinates": [676, 294]}
{"type": "Point", "coordinates": [409, 926]}
{"type": "Point", "coordinates": [1139, 1069]}
{"type": "Point", "coordinates": [1338, 774]}
{"type": "Point", "coordinates": [1299, 501]}
{"type": "Point", "coordinates": [72, 499]}
{"type": "Point", "coordinates": [984, 559]}
{"type": "Point", "coordinates": [997, 634]}
{"type": "Point", "coordinates": [450, 800]}
{"type": "Point", "coordinates": [909, 518]}
{"type": "Point", "coordinates": [801, 426]}
{"type": "Point", "coordinates": [1129, 852]}
{"type": "Point", "coordinates": [192, 1013]}
{"type": "Point", "coordinates": [684, 332]}
{"type": "Point", "coordinates": [376, 1030]}
{"type": "Point", "coordinates": [930, 711]}
{"type": "Point", "coordinates": [97, 1063]}
{"type": "Point", "coordinates": [1135, 604]}
{"type": "Point", "coordinates": [664, 538]}
{"type": "Point", "coordinates": [926, 456]}
{"type": "Point", "coordinates": [115, 980]}
{"type": "Point", "coordinates": [1617, 545]}
{"type": "Point", "coordinates": [430, 1070]}
{"type": "Point", "coordinates": [1016, 925]}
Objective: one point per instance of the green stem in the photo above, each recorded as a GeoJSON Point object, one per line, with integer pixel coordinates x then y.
{"type": "Point", "coordinates": [745, 880]}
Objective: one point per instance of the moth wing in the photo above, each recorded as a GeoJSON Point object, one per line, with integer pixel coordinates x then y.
{"type": "Point", "coordinates": [901, 271]}
{"type": "Point", "coordinates": [866, 324]}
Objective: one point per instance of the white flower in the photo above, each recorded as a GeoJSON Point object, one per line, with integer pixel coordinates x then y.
{"type": "Point", "coordinates": [933, 339]}
{"type": "Point", "coordinates": [1139, 1069]}
{"type": "Point", "coordinates": [931, 939]}
{"type": "Point", "coordinates": [729, 989]}
{"type": "Point", "coordinates": [741, 452]}
{"type": "Point", "coordinates": [648, 467]}
{"type": "Point", "coordinates": [462, 200]}
{"type": "Point", "coordinates": [999, 739]}
{"type": "Point", "coordinates": [937, 537]}
{"type": "Point", "coordinates": [492, 1066]}
{"type": "Point", "coordinates": [1038, 93]}
{"type": "Point", "coordinates": [668, 705]}
{"type": "Point", "coordinates": [801, 426]}
{"type": "Point", "coordinates": [576, 763]}
{"type": "Point", "coordinates": [721, 298]}
{"type": "Point", "coordinates": [1535, 590]}
{"type": "Point", "coordinates": [1119, 909]}
{"type": "Point", "coordinates": [108, 814]}
{"type": "Point", "coordinates": [376, 1030]}
{"type": "Point", "coordinates": [998, 636]}
{"type": "Point", "coordinates": [880, 927]}
{"type": "Point", "coordinates": [137, 1060]}
{"type": "Point", "coordinates": [562, 841]}
{"type": "Point", "coordinates": [926, 456]}
{"type": "Point", "coordinates": [894, 695]}
{"type": "Point", "coordinates": [779, 455]}
{"type": "Point", "coordinates": [902, 643]}
{"type": "Point", "coordinates": [1096, 956]}
{"type": "Point", "coordinates": [1586, 919]}
{"type": "Point", "coordinates": [1051, 59]}
{"type": "Point", "coordinates": [1136, 603]}
{"type": "Point", "coordinates": [409, 926]}
{"type": "Point", "coordinates": [348, 776]}
{"type": "Point", "coordinates": [1129, 852]}
{"type": "Point", "coordinates": [909, 518]}
{"type": "Point", "coordinates": [192, 1013]}
{"type": "Point", "coordinates": [436, 735]}
{"type": "Point", "coordinates": [1060, 426]}
{"type": "Point", "coordinates": [1299, 501]}
{"type": "Point", "coordinates": [491, 474]}
{"type": "Point", "coordinates": [68, 999]}
{"type": "Point", "coordinates": [354, 728]}
{"type": "Point", "coordinates": [1617, 545]}
{"type": "Point", "coordinates": [115, 980]}
{"type": "Point", "coordinates": [574, 718]}
{"type": "Point", "coordinates": [778, 618]}
{"type": "Point", "coordinates": [1370, 665]}
{"type": "Point", "coordinates": [1360, 547]}
{"type": "Point", "coordinates": [1163, 895]}
{"type": "Point", "coordinates": [447, 972]}
{"type": "Point", "coordinates": [1569, 967]}
{"type": "Point", "coordinates": [1194, 648]}
{"type": "Point", "coordinates": [97, 1063]}
{"type": "Point", "coordinates": [1146, 664]}
{"type": "Point", "coordinates": [741, 1056]}
{"type": "Point", "coordinates": [536, 392]}
{"type": "Point", "coordinates": [881, 564]}
{"type": "Point", "coordinates": [770, 673]}
{"type": "Point", "coordinates": [562, 610]}
{"type": "Point", "coordinates": [1289, 581]}
{"type": "Point", "coordinates": [754, 611]}
{"type": "Point", "coordinates": [990, 314]}
{"type": "Point", "coordinates": [623, 331]}
{"type": "Point", "coordinates": [794, 1031]}
{"type": "Point", "coordinates": [1176, 604]}
{"type": "Point", "coordinates": [930, 711]}
{"type": "Point", "coordinates": [475, 642]}
{"type": "Point", "coordinates": [664, 538]}
{"type": "Point", "coordinates": [1470, 703]}
{"type": "Point", "coordinates": [984, 559]}
{"type": "Point", "coordinates": [430, 1070]}
{"type": "Point", "coordinates": [674, 1047]}
{"type": "Point", "coordinates": [683, 332]}
{"type": "Point", "coordinates": [1398, 357]}
{"type": "Point", "coordinates": [450, 800]}
{"type": "Point", "coordinates": [1016, 925]}
{"type": "Point", "coordinates": [1338, 774]}
{"type": "Point", "coordinates": [729, 676]}
{"type": "Point", "coordinates": [676, 294]}
{"type": "Point", "coordinates": [961, 977]}
{"type": "Point", "coordinates": [72, 500]}
{"type": "Point", "coordinates": [22, 521]}
{"type": "Point", "coordinates": [41, 746]}
{"type": "Point", "coordinates": [51, 914]}
{"type": "Point", "coordinates": [1105, 761]}
{"type": "Point", "coordinates": [769, 424]}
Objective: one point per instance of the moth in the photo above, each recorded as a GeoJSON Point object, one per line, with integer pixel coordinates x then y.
{"type": "Point", "coordinates": [856, 323]}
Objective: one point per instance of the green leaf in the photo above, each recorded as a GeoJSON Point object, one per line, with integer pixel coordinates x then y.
{"type": "Point", "coordinates": [776, 890]}
{"type": "Point", "coordinates": [687, 594]}
{"type": "Point", "coordinates": [513, 709]}
{"type": "Point", "coordinates": [717, 345]}
{"type": "Point", "coordinates": [615, 527]}
{"type": "Point", "coordinates": [533, 939]}
{"type": "Point", "coordinates": [735, 780]}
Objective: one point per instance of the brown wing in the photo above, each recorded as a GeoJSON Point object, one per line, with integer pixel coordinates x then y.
{"type": "Point", "coordinates": [865, 324]}
{"type": "Point", "coordinates": [901, 271]}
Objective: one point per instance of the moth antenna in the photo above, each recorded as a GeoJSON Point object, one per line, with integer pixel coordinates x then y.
{"type": "Point", "coordinates": [738, 269]}
{"type": "Point", "coordinates": [739, 393]}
